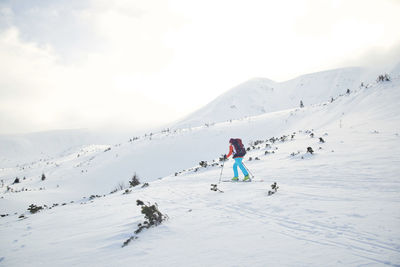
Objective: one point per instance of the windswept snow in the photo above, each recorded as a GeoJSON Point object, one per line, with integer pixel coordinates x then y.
{"type": "Point", "coordinates": [338, 206]}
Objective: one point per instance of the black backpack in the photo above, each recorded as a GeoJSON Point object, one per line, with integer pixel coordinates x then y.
{"type": "Point", "coordinates": [239, 147]}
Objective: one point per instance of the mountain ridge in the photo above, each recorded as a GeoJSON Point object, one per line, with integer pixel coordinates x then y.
{"type": "Point", "coordinates": [260, 95]}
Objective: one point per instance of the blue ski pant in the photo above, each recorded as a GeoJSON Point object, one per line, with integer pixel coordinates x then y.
{"type": "Point", "coordinates": [238, 162]}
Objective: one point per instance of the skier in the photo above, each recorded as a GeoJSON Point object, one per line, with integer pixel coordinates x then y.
{"type": "Point", "coordinates": [237, 149]}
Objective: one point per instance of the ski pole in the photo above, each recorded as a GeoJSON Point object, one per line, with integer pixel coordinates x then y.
{"type": "Point", "coordinates": [220, 176]}
{"type": "Point", "coordinates": [252, 176]}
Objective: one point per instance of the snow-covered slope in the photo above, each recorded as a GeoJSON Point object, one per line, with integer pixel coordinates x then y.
{"type": "Point", "coordinates": [26, 147]}
{"type": "Point", "coordinates": [98, 169]}
{"type": "Point", "coordinates": [259, 95]}
{"type": "Point", "coordinates": [234, 104]}
{"type": "Point", "coordinates": [339, 206]}
{"type": "Point", "coordinates": [23, 148]}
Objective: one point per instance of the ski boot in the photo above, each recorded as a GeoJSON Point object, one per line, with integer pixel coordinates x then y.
{"type": "Point", "coordinates": [246, 179]}
{"type": "Point", "coordinates": [235, 179]}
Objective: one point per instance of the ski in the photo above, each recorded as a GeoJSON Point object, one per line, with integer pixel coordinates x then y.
{"type": "Point", "coordinates": [230, 181]}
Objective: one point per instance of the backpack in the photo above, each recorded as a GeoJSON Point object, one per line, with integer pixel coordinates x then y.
{"type": "Point", "coordinates": [239, 148]}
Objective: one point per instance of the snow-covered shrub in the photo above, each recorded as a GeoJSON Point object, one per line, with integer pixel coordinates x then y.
{"type": "Point", "coordinates": [152, 216]}
{"type": "Point", "coordinates": [294, 153]}
{"type": "Point", "coordinates": [215, 188]}
{"type": "Point", "coordinates": [274, 188]}
{"type": "Point", "coordinates": [203, 164]}
{"type": "Point", "coordinates": [33, 208]}
{"type": "Point", "coordinates": [321, 140]}
{"type": "Point", "coordinates": [127, 191]}
{"type": "Point", "coordinates": [257, 142]}
{"type": "Point", "coordinates": [383, 78]}
{"type": "Point", "coordinates": [119, 187]}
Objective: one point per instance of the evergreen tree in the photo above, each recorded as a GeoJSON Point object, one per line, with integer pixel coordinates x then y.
{"type": "Point", "coordinates": [134, 181]}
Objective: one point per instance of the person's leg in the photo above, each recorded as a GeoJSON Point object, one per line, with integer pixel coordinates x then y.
{"type": "Point", "coordinates": [238, 162]}
{"type": "Point", "coordinates": [235, 170]}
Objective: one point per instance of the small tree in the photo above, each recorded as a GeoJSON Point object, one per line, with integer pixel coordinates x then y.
{"type": "Point", "coordinates": [301, 104]}
{"type": "Point", "coordinates": [43, 177]}
{"type": "Point", "coordinates": [134, 181]}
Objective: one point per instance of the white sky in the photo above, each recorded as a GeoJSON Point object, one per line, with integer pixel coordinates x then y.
{"type": "Point", "coordinates": [132, 64]}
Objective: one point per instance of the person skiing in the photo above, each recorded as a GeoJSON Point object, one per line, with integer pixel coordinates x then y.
{"type": "Point", "coordinates": [238, 151]}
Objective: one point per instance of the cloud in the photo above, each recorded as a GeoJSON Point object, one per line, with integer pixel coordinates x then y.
{"type": "Point", "coordinates": [377, 58]}
{"type": "Point", "coordinates": [83, 64]}
{"type": "Point", "coordinates": [55, 23]}
{"type": "Point", "coordinates": [132, 63]}
{"type": "Point", "coordinates": [38, 93]}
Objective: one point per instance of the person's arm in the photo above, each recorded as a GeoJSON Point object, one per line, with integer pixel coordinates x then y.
{"type": "Point", "coordinates": [230, 151]}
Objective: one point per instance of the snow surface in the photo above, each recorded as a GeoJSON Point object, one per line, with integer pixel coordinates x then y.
{"type": "Point", "coordinates": [337, 207]}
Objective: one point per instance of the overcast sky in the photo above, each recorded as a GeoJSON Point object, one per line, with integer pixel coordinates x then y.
{"type": "Point", "coordinates": [131, 64]}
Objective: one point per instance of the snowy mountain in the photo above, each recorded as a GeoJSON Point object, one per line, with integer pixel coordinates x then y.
{"type": "Point", "coordinates": [23, 148]}
{"type": "Point", "coordinates": [233, 104]}
{"type": "Point", "coordinates": [28, 147]}
{"type": "Point", "coordinates": [259, 95]}
{"type": "Point", "coordinates": [336, 206]}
